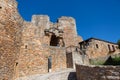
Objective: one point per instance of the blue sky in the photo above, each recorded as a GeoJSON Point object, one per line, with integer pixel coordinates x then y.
{"type": "Point", "coordinates": [94, 18]}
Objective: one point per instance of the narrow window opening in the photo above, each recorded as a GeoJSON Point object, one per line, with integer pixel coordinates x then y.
{"type": "Point", "coordinates": [97, 46]}
{"type": "Point", "coordinates": [49, 63]}
{"type": "Point", "coordinates": [16, 63]}
{"type": "Point", "coordinates": [0, 7]}
{"type": "Point", "coordinates": [113, 47]}
{"type": "Point", "coordinates": [109, 47]}
{"type": "Point", "coordinates": [26, 47]}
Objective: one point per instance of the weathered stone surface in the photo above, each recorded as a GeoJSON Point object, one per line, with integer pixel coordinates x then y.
{"type": "Point", "coordinates": [95, 48]}
{"type": "Point", "coordinates": [42, 39]}
{"type": "Point", "coordinates": [84, 72]}
{"type": "Point", "coordinates": [58, 58]}
{"type": "Point", "coordinates": [69, 27]}
{"type": "Point", "coordinates": [27, 47]}
{"type": "Point", "coordinates": [75, 55]}
{"type": "Point", "coordinates": [10, 38]}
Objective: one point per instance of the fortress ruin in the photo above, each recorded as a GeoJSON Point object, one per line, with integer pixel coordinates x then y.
{"type": "Point", "coordinates": [40, 46]}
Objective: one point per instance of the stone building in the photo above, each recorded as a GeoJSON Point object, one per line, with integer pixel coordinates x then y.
{"type": "Point", "coordinates": [40, 46]}
{"type": "Point", "coordinates": [43, 45]}
{"type": "Point", "coordinates": [95, 48]}
{"type": "Point", "coordinates": [35, 47]}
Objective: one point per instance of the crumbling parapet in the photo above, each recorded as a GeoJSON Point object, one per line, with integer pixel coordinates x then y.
{"type": "Point", "coordinates": [64, 27]}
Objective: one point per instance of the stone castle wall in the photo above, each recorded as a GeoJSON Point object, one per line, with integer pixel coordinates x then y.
{"type": "Point", "coordinates": [25, 47]}
{"type": "Point", "coordinates": [58, 58]}
{"type": "Point", "coordinates": [10, 38]}
{"type": "Point", "coordinates": [69, 27]}
{"type": "Point", "coordinates": [85, 72]}
{"type": "Point", "coordinates": [42, 39]}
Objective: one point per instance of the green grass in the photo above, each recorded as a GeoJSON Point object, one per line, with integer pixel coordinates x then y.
{"type": "Point", "coordinates": [116, 59]}
{"type": "Point", "coordinates": [111, 61]}
{"type": "Point", "coordinates": [97, 62]}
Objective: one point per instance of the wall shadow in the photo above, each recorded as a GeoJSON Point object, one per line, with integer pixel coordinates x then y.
{"type": "Point", "coordinates": [72, 76]}
{"type": "Point", "coordinates": [112, 61]}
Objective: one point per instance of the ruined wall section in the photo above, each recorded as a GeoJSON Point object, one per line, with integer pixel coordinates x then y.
{"type": "Point", "coordinates": [84, 72]}
{"type": "Point", "coordinates": [10, 38]}
{"type": "Point", "coordinates": [61, 29]}
{"type": "Point", "coordinates": [68, 25]}
{"type": "Point", "coordinates": [42, 22]}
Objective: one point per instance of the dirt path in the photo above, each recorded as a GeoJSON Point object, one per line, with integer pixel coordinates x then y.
{"type": "Point", "coordinates": [68, 74]}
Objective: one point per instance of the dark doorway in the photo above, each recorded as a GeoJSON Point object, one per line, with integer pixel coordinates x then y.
{"type": "Point", "coordinates": [49, 63]}
{"type": "Point", "coordinates": [69, 60]}
{"type": "Point", "coordinates": [54, 41]}
{"type": "Point", "coordinates": [72, 76]}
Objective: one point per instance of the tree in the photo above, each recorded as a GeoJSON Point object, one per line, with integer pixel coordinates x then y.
{"type": "Point", "coordinates": [118, 42]}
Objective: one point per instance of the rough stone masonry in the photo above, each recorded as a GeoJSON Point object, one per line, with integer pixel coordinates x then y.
{"type": "Point", "coordinates": [42, 39]}
{"type": "Point", "coordinates": [25, 47]}
{"type": "Point", "coordinates": [36, 47]}
{"type": "Point", "coordinates": [10, 38]}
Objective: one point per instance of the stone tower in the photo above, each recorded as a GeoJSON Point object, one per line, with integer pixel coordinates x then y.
{"type": "Point", "coordinates": [68, 25]}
